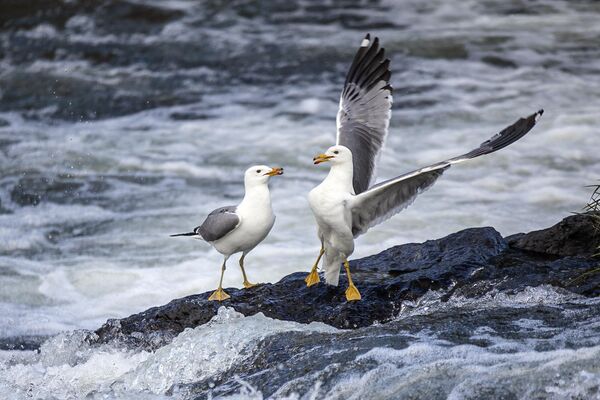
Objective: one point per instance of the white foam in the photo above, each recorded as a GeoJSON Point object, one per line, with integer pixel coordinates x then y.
{"type": "Point", "coordinates": [465, 372]}
{"type": "Point", "coordinates": [205, 351]}
{"type": "Point", "coordinates": [530, 296]}
{"type": "Point", "coordinates": [67, 367]}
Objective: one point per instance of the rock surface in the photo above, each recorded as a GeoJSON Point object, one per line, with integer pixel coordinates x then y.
{"type": "Point", "coordinates": [573, 236]}
{"type": "Point", "coordinates": [470, 263]}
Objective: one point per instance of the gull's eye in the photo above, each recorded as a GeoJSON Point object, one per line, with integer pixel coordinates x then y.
{"type": "Point", "coordinates": [258, 171]}
{"type": "Point", "coordinates": [336, 152]}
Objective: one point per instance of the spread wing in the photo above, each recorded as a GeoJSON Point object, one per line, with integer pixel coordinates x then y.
{"type": "Point", "coordinates": [365, 110]}
{"type": "Point", "coordinates": [219, 223]}
{"type": "Point", "coordinates": [390, 197]}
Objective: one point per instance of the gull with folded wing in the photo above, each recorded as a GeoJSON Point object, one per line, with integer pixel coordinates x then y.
{"type": "Point", "coordinates": [239, 229]}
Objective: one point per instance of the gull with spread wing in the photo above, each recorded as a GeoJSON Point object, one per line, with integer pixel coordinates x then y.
{"type": "Point", "coordinates": [346, 204]}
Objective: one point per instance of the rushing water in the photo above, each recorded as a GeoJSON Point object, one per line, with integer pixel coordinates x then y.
{"type": "Point", "coordinates": [546, 346]}
{"type": "Point", "coordinates": [124, 122]}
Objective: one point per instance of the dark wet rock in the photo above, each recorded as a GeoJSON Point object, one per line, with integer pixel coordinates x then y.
{"type": "Point", "coordinates": [577, 235]}
{"type": "Point", "coordinates": [470, 263]}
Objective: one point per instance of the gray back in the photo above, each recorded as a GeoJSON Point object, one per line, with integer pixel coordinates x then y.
{"type": "Point", "coordinates": [218, 223]}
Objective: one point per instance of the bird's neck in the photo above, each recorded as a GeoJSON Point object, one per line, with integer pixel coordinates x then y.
{"type": "Point", "coordinates": [341, 175]}
{"type": "Point", "coordinates": [256, 196]}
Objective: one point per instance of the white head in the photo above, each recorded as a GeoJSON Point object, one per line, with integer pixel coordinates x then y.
{"type": "Point", "coordinates": [260, 174]}
{"type": "Point", "coordinates": [336, 155]}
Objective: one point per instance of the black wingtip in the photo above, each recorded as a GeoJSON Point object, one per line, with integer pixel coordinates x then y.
{"type": "Point", "coordinates": [513, 132]}
{"type": "Point", "coordinates": [539, 114]}
{"type": "Point", "coordinates": [535, 117]}
{"type": "Point", "coordinates": [507, 136]}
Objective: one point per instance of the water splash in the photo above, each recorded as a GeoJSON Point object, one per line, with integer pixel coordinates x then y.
{"type": "Point", "coordinates": [67, 366]}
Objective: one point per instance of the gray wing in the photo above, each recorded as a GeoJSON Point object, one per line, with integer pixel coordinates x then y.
{"type": "Point", "coordinates": [388, 198]}
{"type": "Point", "coordinates": [218, 224]}
{"type": "Point", "coordinates": [365, 110]}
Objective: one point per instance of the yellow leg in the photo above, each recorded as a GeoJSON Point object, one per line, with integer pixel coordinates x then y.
{"type": "Point", "coordinates": [352, 293]}
{"type": "Point", "coordinates": [247, 283]}
{"type": "Point", "coordinates": [313, 277]}
{"type": "Point", "coordinates": [219, 294]}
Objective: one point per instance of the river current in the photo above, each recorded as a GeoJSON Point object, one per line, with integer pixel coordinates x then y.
{"type": "Point", "coordinates": [123, 122]}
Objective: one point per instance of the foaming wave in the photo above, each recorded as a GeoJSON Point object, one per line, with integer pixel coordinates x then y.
{"type": "Point", "coordinates": [67, 366]}
{"type": "Point", "coordinates": [435, 301]}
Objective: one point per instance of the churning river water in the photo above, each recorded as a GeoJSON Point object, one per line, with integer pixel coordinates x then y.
{"type": "Point", "coordinates": [123, 122]}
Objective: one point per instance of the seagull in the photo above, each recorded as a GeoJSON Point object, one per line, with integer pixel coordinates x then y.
{"type": "Point", "coordinates": [346, 204]}
{"type": "Point", "coordinates": [235, 229]}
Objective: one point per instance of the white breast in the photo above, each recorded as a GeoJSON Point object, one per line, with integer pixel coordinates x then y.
{"type": "Point", "coordinates": [256, 220]}
{"type": "Point", "coordinates": [328, 202]}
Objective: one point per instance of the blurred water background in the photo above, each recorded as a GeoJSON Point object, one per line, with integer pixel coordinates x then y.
{"type": "Point", "coordinates": [122, 122]}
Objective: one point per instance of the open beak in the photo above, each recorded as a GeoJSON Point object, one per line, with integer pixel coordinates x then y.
{"type": "Point", "coordinates": [275, 171]}
{"type": "Point", "coordinates": [319, 158]}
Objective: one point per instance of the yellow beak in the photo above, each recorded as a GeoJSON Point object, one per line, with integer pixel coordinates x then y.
{"type": "Point", "coordinates": [319, 158]}
{"type": "Point", "coordinates": [275, 171]}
